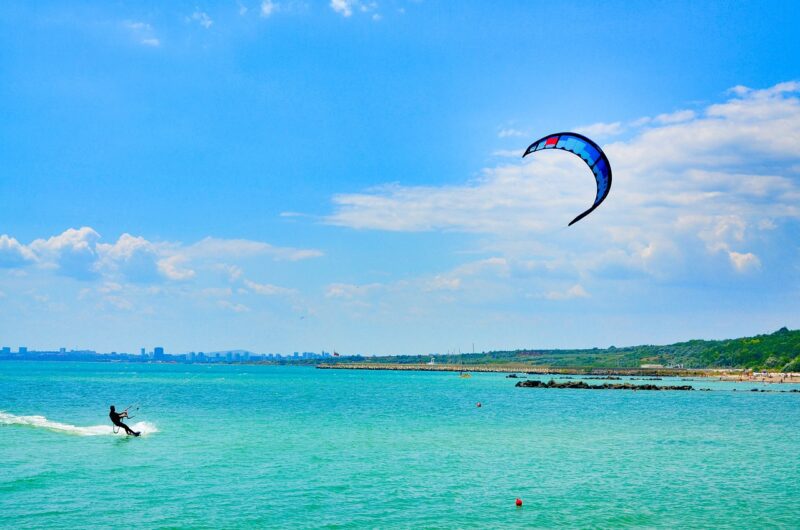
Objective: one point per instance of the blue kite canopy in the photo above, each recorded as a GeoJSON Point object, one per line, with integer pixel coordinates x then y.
{"type": "Point", "coordinates": [589, 151]}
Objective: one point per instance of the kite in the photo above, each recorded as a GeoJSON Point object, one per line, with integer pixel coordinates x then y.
{"type": "Point", "coordinates": [590, 152]}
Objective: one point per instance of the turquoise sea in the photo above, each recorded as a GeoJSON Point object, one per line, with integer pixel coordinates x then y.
{"type": "Point", "coordinates": [291, 447]}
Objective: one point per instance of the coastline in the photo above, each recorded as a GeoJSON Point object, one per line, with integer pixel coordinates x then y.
{"type": "Point", "coordinates": [729, 375]}
{"type": "Point", "coordinates": [513, 368]}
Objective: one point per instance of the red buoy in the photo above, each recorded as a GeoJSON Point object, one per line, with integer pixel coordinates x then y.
{"type": "Point", "coordinates": [518, 502]}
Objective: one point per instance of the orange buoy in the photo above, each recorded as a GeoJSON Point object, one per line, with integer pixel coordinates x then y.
{"type": "Point", "coordinates": [518, 502]}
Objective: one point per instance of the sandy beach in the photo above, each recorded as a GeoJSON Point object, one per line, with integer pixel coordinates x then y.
{"type": "Point", "coordinates": [759, 377]}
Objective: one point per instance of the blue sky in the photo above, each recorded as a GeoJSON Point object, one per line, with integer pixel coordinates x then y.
{"type": "Point", "coordinates": [284, 176]}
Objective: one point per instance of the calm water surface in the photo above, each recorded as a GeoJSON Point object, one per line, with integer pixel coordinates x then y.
{"type": "Point", "coordinates": [250, 446]}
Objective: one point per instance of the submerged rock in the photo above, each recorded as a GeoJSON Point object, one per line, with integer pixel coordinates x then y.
{"type": "Point", "coordinates": [605, 386]}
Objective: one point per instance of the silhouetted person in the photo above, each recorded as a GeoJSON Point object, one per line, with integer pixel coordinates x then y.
{"type": "Point", "coordinates": [116, 419]}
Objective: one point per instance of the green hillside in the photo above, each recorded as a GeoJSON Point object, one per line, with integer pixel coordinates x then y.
{"type": "Point", "coordinates": [779, 351]}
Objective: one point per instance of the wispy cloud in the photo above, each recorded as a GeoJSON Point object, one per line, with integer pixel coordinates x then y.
{"type": "Point", "coordinates": [267, 289]}
{"type": "Point", "coordinates": [268, 7]}
{"type": "Point", "coordinates": [233, 306]}
{"type": "Point", "coordinates": [202, 18]}
{"type": "Point", "coordinates": [143, 32]}
{"type": "Point", "coordinates": [349, 290]}
{"type": "Point", "coordinates": [244, 247]}
{"type": "Point", "coordinates": [346, 8]}
{"type": "Point", "coordinates": [675, 117]}
{"type": "Point", "coordinates": [510, 132]}
{"type": "Point", "coordinates": [343, 7]}
{"type": "Point", "coordinates": [576, 291]}
{"type": "Point", "coordinates": [601, 129]}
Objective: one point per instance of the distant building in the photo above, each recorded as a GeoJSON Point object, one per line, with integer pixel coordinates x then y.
{"type": "Point", "coordinates": [62, 351]}
{"type": "Point", "coordinates": [23, 350]}
{"type": "Point", "coordinates": [158, 353]}
{"type": "Point", "coordinates": [652, 366]}
{"type": "Point", "coordinates": [143, 352]}
{"type": "Point", "coordinates": [6, 350]}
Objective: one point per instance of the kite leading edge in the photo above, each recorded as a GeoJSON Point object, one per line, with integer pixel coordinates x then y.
{"type": "Point", "coordinates": [589, 151]}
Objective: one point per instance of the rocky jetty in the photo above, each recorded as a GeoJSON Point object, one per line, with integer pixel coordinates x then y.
{"type": "Point", "coordinates": [606, 386]}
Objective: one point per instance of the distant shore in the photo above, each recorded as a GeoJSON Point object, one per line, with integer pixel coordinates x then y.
{"type": "Point", "coordinates": [514, 368]}
{"type": "Point", "coordinates": [732, 375]}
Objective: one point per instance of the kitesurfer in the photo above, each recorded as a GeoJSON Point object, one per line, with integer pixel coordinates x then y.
{"type": "Point", "coordinates": [116, 419]}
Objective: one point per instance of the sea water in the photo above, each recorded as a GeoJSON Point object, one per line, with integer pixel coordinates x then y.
{"type": "Point", "coordinates": [295, 447]}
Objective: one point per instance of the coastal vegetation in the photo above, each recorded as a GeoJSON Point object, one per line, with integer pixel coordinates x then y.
{"type": "Point", "coordinates": [778, 351]}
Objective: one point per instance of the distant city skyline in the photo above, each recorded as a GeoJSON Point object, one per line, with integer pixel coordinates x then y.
{"type": "Point", "coordinates": [157, 354]}
{"type": "Point", "coordinates": [350, 174]}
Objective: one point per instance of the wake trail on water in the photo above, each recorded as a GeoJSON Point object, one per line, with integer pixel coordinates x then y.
{"type": "Point", "coordinates": [144, 427]}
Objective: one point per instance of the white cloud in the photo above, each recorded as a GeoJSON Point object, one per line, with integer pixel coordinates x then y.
{"type": "Point", "coordinates": [499, 201]}
{"type": "Point", "coordinates": [71, 253]}
{"type": "Point", "coordinates": [349, 290]}
{"type": "Point", "coordinates": [601, 129]}
{"type": "Point", "coordinates": [510, 133]}
{"type": "Point", "coordinates": [444, 283]}
{"type": "Point", "coordinates": [508, 153]}
{"type": "Point", "coordinates": [110, 287]}
{"type": "Point", "coordinates": [173, 268]}
{"type": "Point", "coordinates": [744, 262]}
{"type": "Point", "coordinates": [144, 33]}
{"type": "Point", "coordinates": [231, 306]}
{"type": "Point", "coordinates": [268, 8]}
{"type": "Point", "coordinates": [202, 18]}
{"type": "Point", "coordinates": [343, 7]}
{"type": "Point", "coordinates": [118, 302]}
{"type": "Point", "coordinates": [80, 254]}
{"type": "Point", "coordinates": [576, 291]}
{"type": "Point", "coordinates": [132, 257]}
{"type": "Point", "coordinates": [217, 292]}
{"type": "Point", "coordinates": [267, 289]}
{"type": "Point", "coordinates": [13, 254]}
{"type": "Point", "coordinates": [675, 117]}
{"type": "Point", "coordinates": [239, 248]}
{"type": "Point", "coordinates": [233, 272]}
{"type": "Point", "coordinates": [346, 8]}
